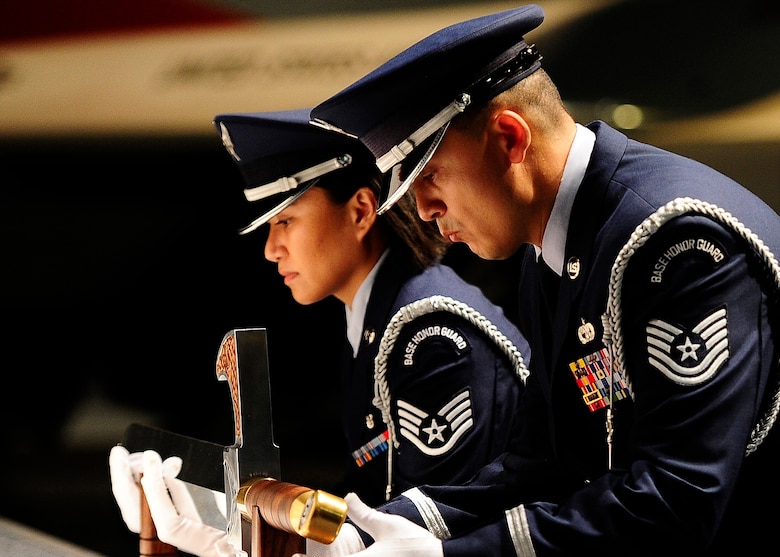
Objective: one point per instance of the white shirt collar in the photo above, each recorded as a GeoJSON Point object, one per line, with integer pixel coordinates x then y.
{"type": "Point", "coordinates": [554, 240]}
{"type": "Point", "coordinates": [357, 313]}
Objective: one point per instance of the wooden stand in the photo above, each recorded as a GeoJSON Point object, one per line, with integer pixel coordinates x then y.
{"type": "Point", "coordinates": [268, 541]}
{"type": "Point", "coordinates": [149, 544]}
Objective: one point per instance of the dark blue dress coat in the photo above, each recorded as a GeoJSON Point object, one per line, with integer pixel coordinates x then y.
{"type": "Point", "coordinates": [699, 332]}
{"type": "Point", "coordinates": [451, 389]}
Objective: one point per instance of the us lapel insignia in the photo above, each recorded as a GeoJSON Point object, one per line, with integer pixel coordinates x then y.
{"type": "Point", "coordinates": [573, 267]}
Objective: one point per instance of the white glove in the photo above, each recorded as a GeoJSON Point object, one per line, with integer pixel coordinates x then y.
{"type": "Point", "coordinates": [125, 469]}
{"type": "Point", "coordinates": [348, 542]}
{"type": "Point", "coordinates": [394, 536]}
{"type": "Point", "coordinates": [175, 516]}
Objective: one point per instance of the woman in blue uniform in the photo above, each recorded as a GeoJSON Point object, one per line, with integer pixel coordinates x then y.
{"type": "Point", "coordinates": [433, 371]}
{"type": "Point", "coordinates": [450, 386]}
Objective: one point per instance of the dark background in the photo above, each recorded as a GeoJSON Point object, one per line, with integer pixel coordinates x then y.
{"type": "Point", "coordinates": [123, 269]}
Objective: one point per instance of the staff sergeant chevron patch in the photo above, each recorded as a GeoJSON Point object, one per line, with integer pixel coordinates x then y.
{"type": "Point", "coordinates": [435, 435]}
{"type": "Point", "coordinates": [689, 356]}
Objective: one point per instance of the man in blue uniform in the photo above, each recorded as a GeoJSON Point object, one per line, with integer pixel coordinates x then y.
{"type": "Point", "coordinates": [648, 292]}
{"type": "Point", "coordinates": [432, 371]}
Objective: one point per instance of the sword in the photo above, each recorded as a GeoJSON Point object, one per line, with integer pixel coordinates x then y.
{"type": "Point", "coordinates": [263, 513]}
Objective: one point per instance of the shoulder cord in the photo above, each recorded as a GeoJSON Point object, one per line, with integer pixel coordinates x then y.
{"type": "Point", "coordinates": [408, 314]}
{"type": "Point", "coordinates": [613, 338]}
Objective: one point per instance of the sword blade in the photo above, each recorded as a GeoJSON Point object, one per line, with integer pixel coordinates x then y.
{"type": "Point", "coordinates": [250, 386]}
{"type": "Point", "coordinates": [242, 361]}
{"type": "Point", "coordinates": [202, 461]}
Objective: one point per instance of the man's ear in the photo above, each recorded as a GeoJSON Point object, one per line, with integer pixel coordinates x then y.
{"type": "Point", "coordinates": [514, 132]}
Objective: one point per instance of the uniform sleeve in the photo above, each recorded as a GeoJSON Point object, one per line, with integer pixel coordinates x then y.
{"type": "Point", "coordinates": [527, 469]}
{"type": "Point", "coordinates": [453, 395]}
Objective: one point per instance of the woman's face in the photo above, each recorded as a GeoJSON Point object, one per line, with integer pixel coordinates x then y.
{"type": "Point", "coordinates": [315, 244]}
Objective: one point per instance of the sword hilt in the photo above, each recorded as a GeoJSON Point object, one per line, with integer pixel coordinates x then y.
{"type": "Point", "coordinates": [312, 514]}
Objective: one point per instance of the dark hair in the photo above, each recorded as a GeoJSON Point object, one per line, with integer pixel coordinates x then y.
{"type": "Point", "coordinates": [410, 238]}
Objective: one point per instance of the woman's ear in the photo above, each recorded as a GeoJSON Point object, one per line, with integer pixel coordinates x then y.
{"type": "Point", "coordinates": [364, 203]}
{"type": "Point", "coordinates": [514, 134]}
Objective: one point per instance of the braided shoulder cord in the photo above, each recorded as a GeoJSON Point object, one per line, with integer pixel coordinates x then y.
{"type": "Point", "coordinates": [409, 313]}
{"type": "Point", "coordinates": [613, 338]}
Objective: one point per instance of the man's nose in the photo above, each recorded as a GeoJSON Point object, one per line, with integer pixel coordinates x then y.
{"type": "Point", "coordinates": [428, 207]}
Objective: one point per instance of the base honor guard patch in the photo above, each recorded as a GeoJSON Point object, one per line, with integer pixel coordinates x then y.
{"type": "Point", "coordinates": [435, 332]}
{"type": "Point", "coordinates": [592, 374]}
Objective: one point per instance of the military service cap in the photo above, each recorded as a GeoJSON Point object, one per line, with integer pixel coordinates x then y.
{"type": "Point", "coordinates": [406, 104]}
{"type": "Point", "coordinates": [280, 156]}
